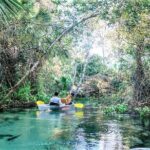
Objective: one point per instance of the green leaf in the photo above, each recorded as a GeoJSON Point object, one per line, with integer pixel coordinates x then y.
{"type": "Point", "coordinates": [9, 8]}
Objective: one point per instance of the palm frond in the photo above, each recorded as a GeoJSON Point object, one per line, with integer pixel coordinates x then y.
{"type": "Point", "coordinates": [8, 9]}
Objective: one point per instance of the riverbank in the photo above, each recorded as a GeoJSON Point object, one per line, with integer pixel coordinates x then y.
{"type": "Point", "coordinates": [139, 110]}
{"type": "Point", "coordinates": [17, 104]}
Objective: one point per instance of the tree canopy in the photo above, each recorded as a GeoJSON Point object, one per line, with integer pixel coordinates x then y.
{"type": "Point", "coordinates": [45, 46]}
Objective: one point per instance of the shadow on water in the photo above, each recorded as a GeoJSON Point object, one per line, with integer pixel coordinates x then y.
{"type": "Point", "coordinates": [9, 137]}
{"type": "Point", "coordinates": [5, 136]}
{"type": "Point", "coordinates": [8, 121]}
{"type": "Point", "coordinates": [13, 137]}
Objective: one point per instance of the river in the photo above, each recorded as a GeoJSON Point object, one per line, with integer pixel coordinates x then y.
{"type": "Point", "coordinates": [86, 129]}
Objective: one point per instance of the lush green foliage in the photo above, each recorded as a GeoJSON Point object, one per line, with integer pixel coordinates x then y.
{"type": "Point", "coordinates": [8, 9]}
{"type": "Point", "coordinates": [24, 92]}
{"type": "Point", "coordinates": [57, 36]}
{"type": "Point", "coordinates": [119, 108]}
{"type": "Point", "coordinates": [144, 111]}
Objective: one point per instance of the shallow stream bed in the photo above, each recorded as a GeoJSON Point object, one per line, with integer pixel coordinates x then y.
{"type": "Point", "coordinates": [87, 129]}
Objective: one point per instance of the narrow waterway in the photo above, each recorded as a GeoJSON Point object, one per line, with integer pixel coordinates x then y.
{"type": "Point", "coordinates": [86, 129]}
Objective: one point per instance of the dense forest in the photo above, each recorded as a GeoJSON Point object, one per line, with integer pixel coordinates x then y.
{"type": "Point", "coordinates": [46, 46]}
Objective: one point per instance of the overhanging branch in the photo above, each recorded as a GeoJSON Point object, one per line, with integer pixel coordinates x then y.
{"type": "Point", "coordinates": [13, 89]}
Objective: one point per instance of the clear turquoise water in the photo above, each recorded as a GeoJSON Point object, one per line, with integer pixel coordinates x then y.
{"type": "Point", "coordinates": [87, 129]}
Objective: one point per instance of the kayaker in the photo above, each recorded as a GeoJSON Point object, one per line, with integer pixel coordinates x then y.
{"type": "Point", "coordinates": [68, 99]}
{"type": "Point", "coordinates": [55, 100]}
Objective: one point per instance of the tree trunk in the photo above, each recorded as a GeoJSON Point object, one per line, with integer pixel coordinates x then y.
{"type": "Point", "coordinates": [22, 79]}
{"type": "Point", "coordinates": [51, 45]}
{"type": "Point", "coordinates": [83, 74]}
{"type": "Point", "coordinates": [9, 70]}
{"type": "Point", "coordinates": [33, 77]}
{"type": "Point", "coordinates": [139, 76]}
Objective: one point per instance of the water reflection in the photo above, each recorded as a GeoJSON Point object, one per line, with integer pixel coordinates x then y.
{"type": "Point", "coordinates": [95, 133]}
{"type": "Point", "coordinates": [113, 139]}
{"type": "Point", "coordinates": [86, 129]}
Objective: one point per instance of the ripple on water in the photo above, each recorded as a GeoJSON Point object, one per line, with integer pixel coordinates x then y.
{"type": "Point", "coordinates": [87, 130]}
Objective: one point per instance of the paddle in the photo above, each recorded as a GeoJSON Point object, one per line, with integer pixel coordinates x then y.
{"type": "Point", "coordinates": [77, 105]}
{"type": "Point", "coordinates": [39, 102]}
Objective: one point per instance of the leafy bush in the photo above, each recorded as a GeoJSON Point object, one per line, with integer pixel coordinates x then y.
{"type": "Point", "coordinates": [112, 99]}
{"type": "Point", "coordinates": [117, 84]}
{"type": "Point", "coordinates": [143, 111]}
{"type": "Point", "coordinates": [120, 108]}
{"type": "Point", "coordinates": [109, 110]}
{"type": "Point", "coordinates": [23, 92]}
{"type": "Point", "coordinates": [63, 93]}
{"type": "Point", "coordinates": [42, 96]}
